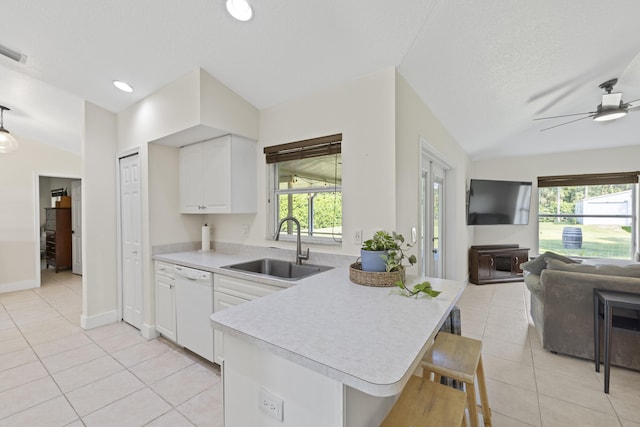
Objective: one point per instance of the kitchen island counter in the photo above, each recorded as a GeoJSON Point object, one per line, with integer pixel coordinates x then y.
{"type": "Point", "coordinates": [362, 336]}
{"type": "Point", "coordinates": [364, 340]}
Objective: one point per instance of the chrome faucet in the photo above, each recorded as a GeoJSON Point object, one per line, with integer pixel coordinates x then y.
{"type": "Point", "coordinates": [299, 255]}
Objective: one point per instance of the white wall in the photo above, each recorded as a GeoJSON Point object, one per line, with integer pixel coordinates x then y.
{"type": "Point", "coordinates": [528, 169]}
{"type": "Point", "coordinates": [19, 222]}
{"type": "Point", "coordinates": [99, 237]}
{"type": "Point", "coordinates": [414, 120]}
{"type": "Point", "coordinates": [363, 111]}
{"type": "Point", "coordinates": [166, 224]}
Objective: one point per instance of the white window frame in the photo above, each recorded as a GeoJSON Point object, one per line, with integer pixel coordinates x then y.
{"type": "Point", "coordinates": [273, 208]}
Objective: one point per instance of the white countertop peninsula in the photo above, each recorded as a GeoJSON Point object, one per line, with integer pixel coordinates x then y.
{"type": "Point", "coordinates": [336, 353]}
{"type": "Point", "coordinates": [351, 346]}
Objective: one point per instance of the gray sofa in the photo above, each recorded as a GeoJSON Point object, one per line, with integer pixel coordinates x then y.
{"type": "Point", "coordinates": [562, 307]}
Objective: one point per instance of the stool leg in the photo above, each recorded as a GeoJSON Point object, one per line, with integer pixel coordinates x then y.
{"type": "Point", "coordinates": [472, 404]}
{"type": "Point", "coordinates": [426, 374]}
{"type": "Point", "coordinates": [484, 396]}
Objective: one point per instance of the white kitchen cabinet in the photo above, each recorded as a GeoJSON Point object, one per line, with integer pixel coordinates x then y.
{"type": "Point", "coordinates": [165, 300]}
{"type": "Point", "coordinates": [218, 176]}
{"type": "Point", "coordinates": [229, 291]}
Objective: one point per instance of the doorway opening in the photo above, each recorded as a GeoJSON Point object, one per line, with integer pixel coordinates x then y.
{"type": "Point", "coordinates": [58, 227]}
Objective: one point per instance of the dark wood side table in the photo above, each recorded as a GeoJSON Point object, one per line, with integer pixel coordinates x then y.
{"type": "Point", "coordinates": [610, 300]}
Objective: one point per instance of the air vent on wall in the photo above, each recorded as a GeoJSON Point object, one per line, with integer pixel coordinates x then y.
{"type": "Point", "coordinates": [12, 54]}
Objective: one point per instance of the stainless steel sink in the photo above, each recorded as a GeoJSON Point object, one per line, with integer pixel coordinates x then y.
{"type": "Point", "coordinates": [277, 268]}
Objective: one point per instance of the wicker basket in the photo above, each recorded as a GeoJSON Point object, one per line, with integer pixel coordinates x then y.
{"type": "Point", "coordinates": [374, 278]}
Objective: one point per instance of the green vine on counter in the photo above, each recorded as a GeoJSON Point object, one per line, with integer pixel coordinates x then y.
{"type": "Point", "coordinates": [424, 287]}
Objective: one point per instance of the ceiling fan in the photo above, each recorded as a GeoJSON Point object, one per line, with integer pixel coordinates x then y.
{"type": "Point", "coordinates": [612, 107]}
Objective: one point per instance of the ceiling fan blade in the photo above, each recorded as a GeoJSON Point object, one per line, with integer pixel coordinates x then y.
{"type": "Point", "coordinates": [564, 115]}
{"type": "Point", "coordinates": [566, 123]}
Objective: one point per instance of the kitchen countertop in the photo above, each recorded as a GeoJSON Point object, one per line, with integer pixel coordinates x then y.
{"type": "Point", "coordinates": [362, 336]}
{"type": "Point", "coordinates": [214, 261]}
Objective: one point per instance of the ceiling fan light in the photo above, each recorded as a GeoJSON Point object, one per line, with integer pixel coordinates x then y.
{"type": "Point", "coordinates": [8, 143]}
{"type": "Point", "coordinates": [240, 9]}
{"type": "Point", "coordinates": [606, 115]}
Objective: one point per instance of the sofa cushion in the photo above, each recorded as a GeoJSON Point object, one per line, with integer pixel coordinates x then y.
{"type": "Point", "coordinates": [536, 265]}
{"type": "Point", "coordinates": [632, 270]}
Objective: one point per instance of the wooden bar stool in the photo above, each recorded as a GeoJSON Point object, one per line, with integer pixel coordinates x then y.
{"type": "Point", "coordinates": [460, 358]}
{"type": "Point", "coordinates": [427, 404]}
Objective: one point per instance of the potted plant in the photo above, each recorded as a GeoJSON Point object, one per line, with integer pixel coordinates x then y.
{"type": "Point", "coordinates": [385, 252]}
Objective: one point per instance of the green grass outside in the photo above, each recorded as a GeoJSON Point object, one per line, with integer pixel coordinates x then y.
{"type": "Point", "coordinates": [598, 241]}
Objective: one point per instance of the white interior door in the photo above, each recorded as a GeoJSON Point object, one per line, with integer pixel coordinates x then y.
{"type": "Point", "coordinates": [76, 226]}
{"type": "Point", "coordinates": [130, 240]}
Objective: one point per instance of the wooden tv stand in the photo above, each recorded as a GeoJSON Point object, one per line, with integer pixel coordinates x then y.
{"type": "Point", "coordinates": [496, 263]}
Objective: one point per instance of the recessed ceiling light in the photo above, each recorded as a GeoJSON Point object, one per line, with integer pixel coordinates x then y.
{"type": "Point", "coordinates": [240, 9]}
{"type": "Point", "coordinates": [125, 87]}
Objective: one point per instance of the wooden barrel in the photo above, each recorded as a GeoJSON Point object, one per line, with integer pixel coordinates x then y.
{"type": "Point", "coordinates": [572, 238]}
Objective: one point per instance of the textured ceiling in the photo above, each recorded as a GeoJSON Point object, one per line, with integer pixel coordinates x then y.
{"type": "Point", "coordinates": [485, 69]}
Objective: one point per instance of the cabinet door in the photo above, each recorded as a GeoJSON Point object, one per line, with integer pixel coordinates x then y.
{"type": "Point", "coordinates": [217, 175]}
{"type": "Point", "coordinates": [191, 179]}
{"type": "Point", "coordinates": [220, 302]}
{"type": "Point", "coordinates": [166, 307]}
{"type": "Point", "coordinates": [518, 258]}
{"type": "Point", "coordinates": [486, 267]}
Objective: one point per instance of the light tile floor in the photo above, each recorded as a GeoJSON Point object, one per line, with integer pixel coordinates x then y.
{"type": "Point", "coordinates": [52, 373]}
{"type": "Point", "coordinates": [529, 386]}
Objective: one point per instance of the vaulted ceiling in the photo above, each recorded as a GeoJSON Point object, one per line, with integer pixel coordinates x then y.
{"type": "Point", "coordinates": [485, 68]}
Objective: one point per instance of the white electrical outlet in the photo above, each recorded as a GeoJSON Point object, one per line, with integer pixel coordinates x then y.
{"type": "Point", "coordinates": [244, 230]}
{"type": "Point", "coordinates": [357, 237]}
{"type": "Point", "coordinates": [270, 403]}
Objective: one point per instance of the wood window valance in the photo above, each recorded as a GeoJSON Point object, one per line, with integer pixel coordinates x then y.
{"type": "Point", "coordinates": [305, 149]}
{"type": "Point", "coordinates": [589, 179]}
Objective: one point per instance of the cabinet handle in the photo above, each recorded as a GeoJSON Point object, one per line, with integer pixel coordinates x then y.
{"type": "Point", "coordinates": [491, 262]}
{"type": "Point", "coordinates": [517, 261]}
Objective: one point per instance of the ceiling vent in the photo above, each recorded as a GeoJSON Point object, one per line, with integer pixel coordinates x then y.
{"type": "Point", "coordinates": [12, 54]}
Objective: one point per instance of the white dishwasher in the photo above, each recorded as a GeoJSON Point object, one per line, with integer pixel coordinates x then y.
{"type": "Point", "coordinates": [194, 302]}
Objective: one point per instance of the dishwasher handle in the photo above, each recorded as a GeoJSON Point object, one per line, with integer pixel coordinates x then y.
{"type": "Point", "coordinates": [192, 274]}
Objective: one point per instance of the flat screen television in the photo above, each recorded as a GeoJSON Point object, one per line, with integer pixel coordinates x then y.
{"type": "Point", "coordinates": [498, 202]}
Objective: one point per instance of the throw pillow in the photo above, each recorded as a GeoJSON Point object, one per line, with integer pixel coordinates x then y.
{"type": "Point", "coordinates": [632, 270]}
{"type": "Point", "coordinates": [536, 265]}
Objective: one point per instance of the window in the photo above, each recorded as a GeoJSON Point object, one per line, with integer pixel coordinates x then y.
{"type": "Point", "coordinates": [590, 216]}
{"type": "Point", "coordinates": [306, 183]}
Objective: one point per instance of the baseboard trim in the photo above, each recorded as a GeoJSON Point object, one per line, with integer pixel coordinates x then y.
{"type": "Point", "coordinates": [106, 318]}
{"type": "Point", "coordinates": [18, 286]}
{"type": "Point", "coordinates": [149, 331]}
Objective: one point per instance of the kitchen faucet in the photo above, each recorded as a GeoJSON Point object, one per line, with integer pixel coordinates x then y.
{"type": "Point", "coordinates": [299, 255]}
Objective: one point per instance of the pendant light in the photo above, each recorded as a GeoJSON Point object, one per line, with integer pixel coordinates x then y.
{"type": "Point", "coordinates": [8, 143]}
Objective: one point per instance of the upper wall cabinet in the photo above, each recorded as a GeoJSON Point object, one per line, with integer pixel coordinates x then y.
{"type": "Point", "coordinates": [218, 176]}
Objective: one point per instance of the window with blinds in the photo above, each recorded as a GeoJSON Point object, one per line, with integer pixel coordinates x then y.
{"type": "Point", "coordinates": [592, 216]}
{"type": "Point", "coordinates": [306, 183]}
